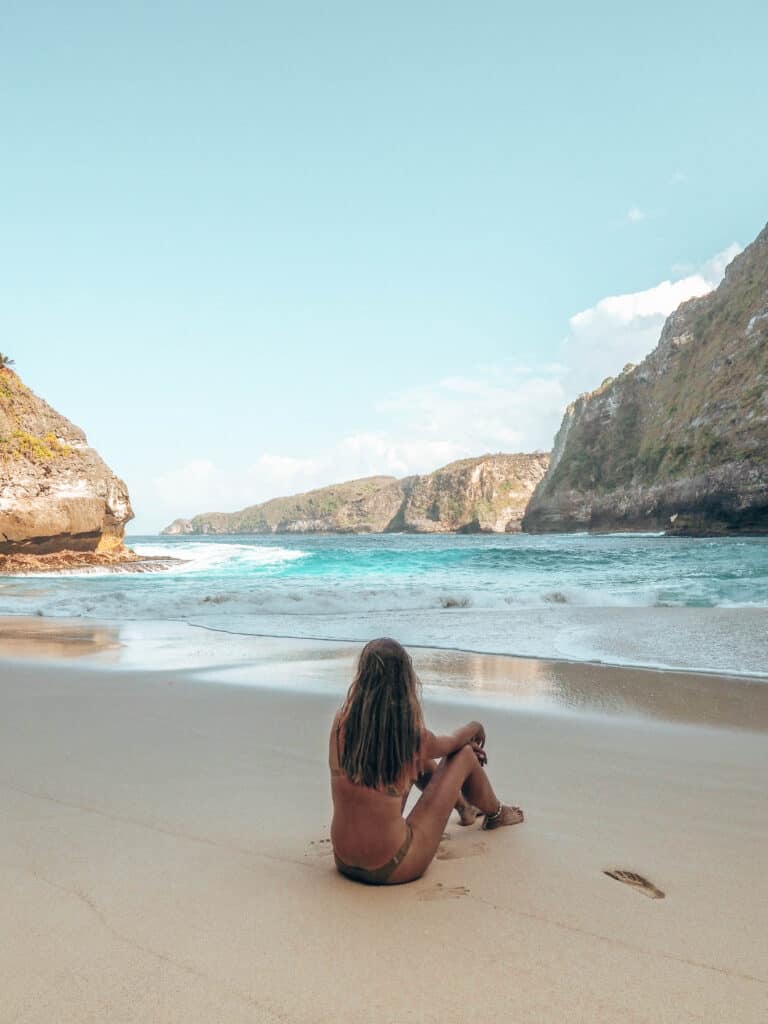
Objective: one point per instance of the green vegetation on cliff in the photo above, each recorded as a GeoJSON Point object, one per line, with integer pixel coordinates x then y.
{"type": "Point", "coordinates": [366, 505]}
{"type": "Point", "coordinates": [15, 440]}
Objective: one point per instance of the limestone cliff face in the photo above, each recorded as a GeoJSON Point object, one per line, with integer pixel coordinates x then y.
{"type": "Point", "coordinates": [679, 442]}
{"type": "Point", "coordinates": [483, 494]}
{"type": "Point", "coordinates": [56, 493]}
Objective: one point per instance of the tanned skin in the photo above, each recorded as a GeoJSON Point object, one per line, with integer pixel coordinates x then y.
{"type": "Point", "coordinates": [368, 826]}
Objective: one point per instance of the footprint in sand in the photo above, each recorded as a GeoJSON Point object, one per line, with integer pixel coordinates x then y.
{"type": "Point", "coordinates": [444, 892]}
{"type": "Point", "coordinates": [457, 851]}
{"type": "Point", "coordinates": [637, 882]}
{"type": "Point", "coordinates": [319, 848]}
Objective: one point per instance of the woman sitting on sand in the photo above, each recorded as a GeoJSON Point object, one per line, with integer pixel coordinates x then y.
{"type": "Point", "coordinates": [379, 747]}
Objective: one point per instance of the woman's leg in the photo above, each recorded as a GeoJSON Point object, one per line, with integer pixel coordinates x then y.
{"type": "Point", "coordinates": [460, 773]}
{"type": "Point", "coordinates": [468, 813]}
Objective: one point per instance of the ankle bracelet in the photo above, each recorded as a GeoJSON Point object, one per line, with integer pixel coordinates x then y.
{"type": "Point", "coordinates": [496, 814]}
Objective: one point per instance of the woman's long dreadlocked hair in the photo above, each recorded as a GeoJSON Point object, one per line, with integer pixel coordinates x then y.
{"type": "Point", "coordinates": [381, 718]}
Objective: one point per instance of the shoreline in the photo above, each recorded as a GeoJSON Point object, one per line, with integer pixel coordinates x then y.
{"type": "Point", "coordinates": [595, 662]}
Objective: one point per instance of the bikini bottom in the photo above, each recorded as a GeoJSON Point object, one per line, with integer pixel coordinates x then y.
{"type": "Point", "coordinates": [377, 876]}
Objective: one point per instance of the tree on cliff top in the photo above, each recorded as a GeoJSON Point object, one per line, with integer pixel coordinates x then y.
{"type": "Point", "coordinates": [5, 361]}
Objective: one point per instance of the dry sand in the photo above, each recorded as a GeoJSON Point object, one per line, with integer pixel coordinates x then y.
{"type": "Point", "coordinates": [164, 853]}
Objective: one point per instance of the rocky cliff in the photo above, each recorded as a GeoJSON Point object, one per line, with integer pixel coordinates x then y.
{"type": "Point", "coordinates": [56, 493]}
{"type": "Point", "coordinates": [679, 442]}
{"type": "Point", "coordinates": [488, 493]}
{"type": "Point", "coordinates": [358, 506]}
{"type": "Point", "coordinates": [482, 495]}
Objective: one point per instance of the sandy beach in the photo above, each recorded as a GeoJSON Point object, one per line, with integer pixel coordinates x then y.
{"type": "Point", "coordinates": [165, 852]}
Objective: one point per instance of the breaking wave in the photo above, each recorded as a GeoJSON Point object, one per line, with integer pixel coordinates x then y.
{"type": "Point", "coordinates": [198, 556]}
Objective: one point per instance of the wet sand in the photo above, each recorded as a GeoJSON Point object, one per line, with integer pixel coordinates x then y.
{"type": "Point", "coordinates": [164, 850]}
{"type": "Point", "coordinates": [52, 638]}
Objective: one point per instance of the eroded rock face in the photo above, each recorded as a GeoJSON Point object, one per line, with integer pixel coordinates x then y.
{"type": "Point", "coordinates": [679, 442]}
{"type": "Point", "coordinates": [482, 495]}
{"type": "Point", "coordinates": [56, 493]}
{"type": "Point", "coordinates": [485, 494]}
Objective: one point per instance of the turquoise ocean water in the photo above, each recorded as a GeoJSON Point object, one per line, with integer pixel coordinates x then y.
{"type": "Point", "coordinates": [640, 599]}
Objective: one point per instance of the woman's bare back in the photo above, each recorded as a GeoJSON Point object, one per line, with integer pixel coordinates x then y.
{"type": "Point", "coordinates": [368, 826]}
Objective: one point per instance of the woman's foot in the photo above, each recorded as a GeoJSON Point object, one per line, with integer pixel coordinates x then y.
{"type": "Point", "coordinates": [504, 816]}
{"type": "Point", "coordinates": [468, 813]}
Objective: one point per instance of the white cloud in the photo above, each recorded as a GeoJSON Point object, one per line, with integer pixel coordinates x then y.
{"type": "Point", "coordinates": [283, 467]}
{"type": "Point", "coordinates": [372, 453]}
{"type": "Point", "coordinates": [191, 482]}
{"type": "Point", "coordinates": [714, 269]}
{"type": "Point", "coordinates": [678, 178]}
{"type": "Point", "coordinates": [498, 410]}
{"type": "Point", "coordinates": [657, 301]}
{"type": "Point", "coordinates": [493, 408]}
{"type": "Point", "coordinates": [622, 329]}
{"type": "Point", "coordinates": [427, 427]}
{"type": "Point", "coordinates": [635, 215]}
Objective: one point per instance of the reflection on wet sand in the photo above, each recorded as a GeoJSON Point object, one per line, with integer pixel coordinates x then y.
{"type": "Point", "coordinates": [46, 638]}
{"type": "Point", "coordinates": [275, 662]}
{"type": "Point", "coordinates": [672, 696]}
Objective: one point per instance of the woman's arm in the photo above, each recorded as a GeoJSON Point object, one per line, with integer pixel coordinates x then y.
{"type": "Point", "coordinates": [442, 746]}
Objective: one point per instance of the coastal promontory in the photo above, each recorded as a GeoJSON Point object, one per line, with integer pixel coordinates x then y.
{"type": "Point", "coordinates": [487, 494]}
{"type": "Point", "coordinates": [57, 496]}
{"type": "Point", "coordinates": [679, 442]}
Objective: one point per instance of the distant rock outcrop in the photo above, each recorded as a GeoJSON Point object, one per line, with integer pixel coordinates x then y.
{"type": "Point", "coordinates": [679, 442]}
{"type": "Point", "coordinates": [485, 494]}
{"type": "Point", "coordinates": [179, 526]}
{"type": "Point", "coordinates": [56, 493]}
{"type": "Point", "coordinates": [482, 495]}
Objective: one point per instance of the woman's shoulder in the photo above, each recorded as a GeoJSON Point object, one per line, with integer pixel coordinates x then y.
{"type": "Point", "coordinates": [338, 721]}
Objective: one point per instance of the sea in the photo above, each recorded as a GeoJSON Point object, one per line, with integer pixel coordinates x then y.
{"type": "Point", "coordinates": [628, 599]}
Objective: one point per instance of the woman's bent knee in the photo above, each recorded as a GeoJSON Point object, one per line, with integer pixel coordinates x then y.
{"type": "Point", "coordinates": [465, 757]}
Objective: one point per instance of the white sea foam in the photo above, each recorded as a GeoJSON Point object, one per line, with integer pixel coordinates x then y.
{"type": "Point", "coordinates": [202, 557]}
{"type": "Point", "coordinates": [190, 558]}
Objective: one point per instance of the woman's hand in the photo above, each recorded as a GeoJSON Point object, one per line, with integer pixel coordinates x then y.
{"type": "Point", "coordinates": [472, 734]}
{"type": "Point", "coordinates": [480, 754]}
{"type": "Point", "coordinates": [477, 734]}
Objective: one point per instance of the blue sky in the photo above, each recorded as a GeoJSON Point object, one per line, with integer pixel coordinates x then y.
{"type": "Point", "coordinates": [252, 248]}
